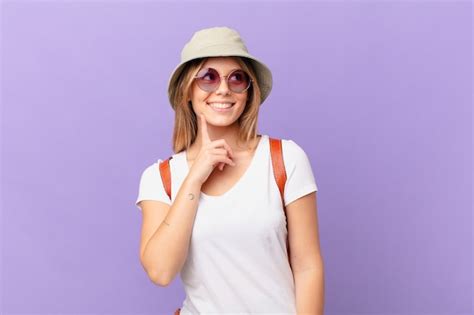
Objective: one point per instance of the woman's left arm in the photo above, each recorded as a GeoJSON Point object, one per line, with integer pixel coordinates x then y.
{"type": "Point", "coordinates": [305, 255]}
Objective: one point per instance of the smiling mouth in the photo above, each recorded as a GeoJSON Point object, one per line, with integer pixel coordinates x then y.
{"type": "Point", "coordinates": [218, 105]}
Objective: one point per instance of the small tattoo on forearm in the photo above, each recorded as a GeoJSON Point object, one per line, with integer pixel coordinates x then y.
{"type": "Point", "coordinates": [191, 196]}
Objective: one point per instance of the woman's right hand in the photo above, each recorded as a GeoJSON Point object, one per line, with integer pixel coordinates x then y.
{"type": "Point", "coordinates": [212, 153]}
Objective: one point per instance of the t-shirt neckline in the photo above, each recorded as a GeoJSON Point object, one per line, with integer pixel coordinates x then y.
{"type": "Point", "coordinates": [242, 178]}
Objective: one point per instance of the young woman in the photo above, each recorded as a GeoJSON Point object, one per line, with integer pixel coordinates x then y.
{"type": "Point", "coordinates": [239, 244]}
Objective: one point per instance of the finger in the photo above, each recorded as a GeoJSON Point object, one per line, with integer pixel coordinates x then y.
{"type": "Point", "coordinates": [219, 151]}
{"type": "Point", "coordinates": [221, 165]}
{"type": "Point", "coordinates": [227, 161]}
{"type": "Point", "coordinates": [204, 133]}
{"type": "Point", "coordinates": [229, 149]}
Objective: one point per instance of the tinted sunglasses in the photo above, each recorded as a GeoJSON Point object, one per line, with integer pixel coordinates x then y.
{"type": "Point", "coordinates": [208, 79]}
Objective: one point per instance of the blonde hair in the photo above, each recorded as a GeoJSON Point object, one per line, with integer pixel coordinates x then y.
{"type": "Point", "coordinates": [185, 122]}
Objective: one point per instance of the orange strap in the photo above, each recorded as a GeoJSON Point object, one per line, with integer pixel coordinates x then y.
{"type": "Point", "coordinates": [165, 174]}
{"type": "Point", "coordinates": [279, 173]}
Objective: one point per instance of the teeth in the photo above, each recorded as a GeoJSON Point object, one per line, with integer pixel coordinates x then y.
{"type": "Point", "coordinates": [221, 105]}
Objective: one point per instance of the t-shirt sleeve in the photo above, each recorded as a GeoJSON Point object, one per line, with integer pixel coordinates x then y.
{"type": "Point", "coordinates": [300, 179]}
{"type": "Point", "coordinates": [151, 186]}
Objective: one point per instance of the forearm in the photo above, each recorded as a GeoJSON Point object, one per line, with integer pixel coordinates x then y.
{"type": "Point", "coordinates": [166, 251]}
{"type": "Point", "coordinates": [309, 286]}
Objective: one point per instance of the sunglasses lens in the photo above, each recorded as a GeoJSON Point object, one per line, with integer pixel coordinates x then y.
{"type": "Point", "coordinates": [238, 81]}
{"type": "Point", "coordinates": [208, 79]}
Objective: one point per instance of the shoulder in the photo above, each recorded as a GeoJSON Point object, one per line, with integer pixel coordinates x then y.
{"type": "Point", "coordinates": [291, 149]}
{"type": "Point", "coordinates": [151, 185]}
{"type": "Point", "coordinates": [294, 155]}
{"type": "Point", "coordinates": [152, 170]}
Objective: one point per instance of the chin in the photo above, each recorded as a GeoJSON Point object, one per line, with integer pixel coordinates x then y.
{"type": "Point", "coordinates": [220, 122]}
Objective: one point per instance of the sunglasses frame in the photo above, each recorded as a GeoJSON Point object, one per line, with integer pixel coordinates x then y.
{"type": "Point", "coordinates": [226, 79]}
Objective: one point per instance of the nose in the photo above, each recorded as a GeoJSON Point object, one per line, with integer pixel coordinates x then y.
{"type": "Point", "coordinates": [223, 88]}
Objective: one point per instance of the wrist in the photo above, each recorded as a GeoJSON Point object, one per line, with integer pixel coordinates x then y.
{"type": "Point", "coordinates": [190, 181]}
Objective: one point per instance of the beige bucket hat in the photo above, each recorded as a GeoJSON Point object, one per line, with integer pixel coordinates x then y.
{"type": "Point", "coordinates": [220, 41]}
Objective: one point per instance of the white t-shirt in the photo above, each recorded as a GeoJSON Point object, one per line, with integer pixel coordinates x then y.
{"type": "Point", "coordinates": [237, 261]}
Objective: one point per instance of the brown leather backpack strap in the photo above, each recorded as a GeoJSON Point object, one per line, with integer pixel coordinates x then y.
{"type": "Point", "coordinates": [165, 174]}
{"type": "Point", "coordinates": [278, 166]}
{"type": "Point", "coordinates": [279, 172]}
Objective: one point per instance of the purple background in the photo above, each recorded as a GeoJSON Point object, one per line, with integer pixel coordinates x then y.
{"type": "Point", "coordinates": [377, 93]}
